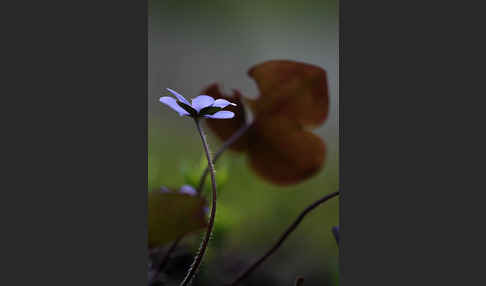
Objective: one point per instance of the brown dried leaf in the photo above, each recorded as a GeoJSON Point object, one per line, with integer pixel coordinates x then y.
{"type": "Point", "coordinates": [282, 152]}
{"type": "Point", "coordinates": [293, 95]}
{"type": "Point", "coordinates": [293, 89]}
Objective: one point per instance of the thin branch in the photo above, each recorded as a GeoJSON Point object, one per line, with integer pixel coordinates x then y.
{"type": "Point", "coordinates": [221, 150]}
{"type": "Point", "coordinates": [284, 236]}
{"type": "Point", "coordinates": [161, 266]}
{"type": "Point", "coordinates": [169, 254]}
{"type": "Point", "coordinates": [204, 243]}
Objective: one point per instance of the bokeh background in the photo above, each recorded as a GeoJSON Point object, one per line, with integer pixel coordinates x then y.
{"type": "Point", "coordinates": [195, 43]}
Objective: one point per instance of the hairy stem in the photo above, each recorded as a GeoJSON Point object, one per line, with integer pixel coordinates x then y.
{"type": "Point", "coordinates": [283, 237]}
{"type": "Point", "coordinates": [204, 243]}
{"type": "Point", "coordinates": [221, 150]}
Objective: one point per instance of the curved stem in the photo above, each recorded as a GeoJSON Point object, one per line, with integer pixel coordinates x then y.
{"type": "Point", "coordinates": [221, 150]}
{"type": "Point", "coordinates": [204, 243]}
{"type": "Point", "coordinates": [284, 236]}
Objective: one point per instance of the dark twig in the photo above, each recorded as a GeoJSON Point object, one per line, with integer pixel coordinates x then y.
{"type": "Point", "coordinates": [161, 266]}
{"type": "Point", "coordinates": [221, 150]}
{"type": "Point", "coordinates": [168, 255]}
{"type": "Point", "coordinates": [284, 236]}
{"type": "Point", "coordinates": [299, 281]}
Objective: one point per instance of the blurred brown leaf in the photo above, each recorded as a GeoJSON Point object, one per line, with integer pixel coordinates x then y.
{"type": "Point", "coordinates": [282, 152]}
{"type": "Point", "coordinates": [296, 90]}
{"type": "Point", "coordinates": [172, 214]}
{"type": "Point", "coordinates": [293, 96]}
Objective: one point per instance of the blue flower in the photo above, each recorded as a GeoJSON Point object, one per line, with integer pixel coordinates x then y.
{"type": "Point", "coordinates": [201, 106]}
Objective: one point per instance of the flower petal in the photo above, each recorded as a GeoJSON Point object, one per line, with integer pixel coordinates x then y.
{"type": "Point", "coordinates": [201, 102]}
{"type": "Point", "coordinates": [189, 190]}
{"type": "Point", "coordinates": [221, 115]}
{"type": "Point", "coordinates": [172, 103]}
{"type": "Point", "coordinates": [222, 103]}
{"type": "Point", "coordinates": [179, 97]}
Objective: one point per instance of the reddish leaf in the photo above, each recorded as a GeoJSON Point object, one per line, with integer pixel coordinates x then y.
{"type": "Point", "coordinates": [292, 96]}
{"type": "Point", "coordinates": [282, 152]}
{"type": "Point", "coordinates": [172, 214]}
{"type": "Point", "coordinates": [296, 90]}
{"type": "Point", "coordinates": [225, 128]}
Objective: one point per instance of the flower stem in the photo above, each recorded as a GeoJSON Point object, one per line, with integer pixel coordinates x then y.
{"type": "Point", "coordinates": [284, 236]}
{"type": "Point", "coordinates": [204, 243]}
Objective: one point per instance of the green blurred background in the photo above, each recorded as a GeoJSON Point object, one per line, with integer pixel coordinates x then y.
{"type": "Point", "coordinates": [195, 43]}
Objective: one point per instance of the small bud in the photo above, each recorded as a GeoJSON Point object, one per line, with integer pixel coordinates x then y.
{"type": "Point", "coordinates": [188, 190]}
